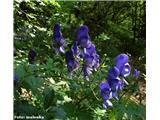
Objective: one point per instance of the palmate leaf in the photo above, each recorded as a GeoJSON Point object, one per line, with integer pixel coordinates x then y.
{"type": "Point", "coordinates": [33, 83]}
{"type": "Point", "coordinates": [49, 98]}
{"type": "Point", "coordinates": [20, 71]}
{"type": "Point", "coordinates": [70, 109]}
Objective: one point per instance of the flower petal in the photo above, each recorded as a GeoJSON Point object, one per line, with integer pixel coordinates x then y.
{"type": "Point", "coordinates": [121, 60]}
{"type": "Point", "coordinates": [126, 69]}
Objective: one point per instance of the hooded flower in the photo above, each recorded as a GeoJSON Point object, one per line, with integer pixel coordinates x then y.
{"type": "Point", "coordinates": [31, 55]}
{"type": "Point", "coordinates": [121, 60]}
{"type": "Point", "coordinates": [123, 65]}
{"type": "Point", "coordinates": [83, 37]}
{"type": "Point", "coordinates": [58, 39]}
{"type": "Point", "coordinates": [106, 94]}
{"type": "Point", "coordinates": [90, 50]}
{"type": "Point", "coordinates": [105, 90]}
{"type": "Point", "coordinates": [116, 85]}
{"type": "Point", "coordinates": [91, 62]}
{"type": "Point", "coordinates": [72, 64]}
{"type": "Point", "coordinates": [126, 69]}
{"type": "Point", "coordinates": [114, 81]}
{"type": "Point", "coordinates": [113, 73]}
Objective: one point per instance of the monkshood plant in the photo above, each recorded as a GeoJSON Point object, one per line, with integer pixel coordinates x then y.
{"type": "Point", "coordinates": [84, 48]}
{"type": "Point", "coordinates": [59, 41]}
{"type": "Point", "coordinates": [46, 89]}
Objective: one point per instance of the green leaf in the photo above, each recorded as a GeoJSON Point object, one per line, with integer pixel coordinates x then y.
{"type": "Point", "coordinates": [49, 98]}
{"type": "Point", "coordinates": [20, 71]}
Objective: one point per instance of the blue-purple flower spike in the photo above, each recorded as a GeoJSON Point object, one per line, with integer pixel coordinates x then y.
{"type": "Point", "coordinates": [88, 51]}
{"type": "Point", "coordinates": [115, 80]}
{"type": "Point", "coordinates": [59, 42]}
{"type": "Point", "coordinates": [72, 63]}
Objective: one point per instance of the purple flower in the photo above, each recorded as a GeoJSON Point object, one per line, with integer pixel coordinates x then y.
{"type": "Point", "coordinates": [115, 80]}
{"type": "Point", "coordinates": [72, 64]}
{"type": "Point", "coordinates": [105, 90]}
{"type": "Point", "coordinates": [91, 50]}
{"type": "Point", "coordinates": [31, 55]}
{"type": "Point", "coordinates": [58, 39]}
{"type": "Point", "coordinates": [87, 51]}
{"type": "Point", "coordinates": [90, 63]}
{"type": "Point", "coordinates": [85, 41]}
{"type": "Point", "coordinates": [122, 65]}
{"type": "Point", "coordinates": [126, 69]}
{"type": "Point", "coordinates": [83, 37]}
{"type": "Point", "coordinates": [121, 60]}
{"type": "Point", "coordinates": [106, 94]}
{"type": "Point", "coordinates": [116, 85]}
{"type": "Point", "coordinates": [89, 60]}
{"type": "Point", "coordinates": [113, 73]}
{"type": "Point", "coordinates": [136, 73]}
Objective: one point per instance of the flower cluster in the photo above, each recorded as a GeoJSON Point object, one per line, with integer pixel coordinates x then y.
{"type": "Point", "coordinates": [72, 63]}
{"type": "Point", "coordinates": [87, 51]}
{"type": "Point", "coordinates": [31, 55]}
{"type": "Point", "coordinates": [58, 40]}
{"type": "Point", "coordinates": [115, 80]}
